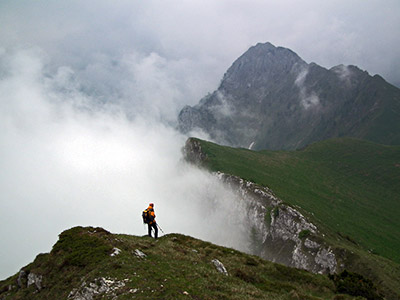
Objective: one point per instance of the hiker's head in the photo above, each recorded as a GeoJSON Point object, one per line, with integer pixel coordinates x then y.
{"type": "Point", "coordinates": [151, 204]}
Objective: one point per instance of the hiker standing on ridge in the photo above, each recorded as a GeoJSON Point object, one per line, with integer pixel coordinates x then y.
{"type": "Point", "coordinates": [151, 220]}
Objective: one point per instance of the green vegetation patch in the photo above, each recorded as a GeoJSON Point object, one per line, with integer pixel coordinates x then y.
{"type": "Point", "coordinates": [304, 234]}
{"type": "Point", "coordinates": [82, 247]}
{"type": "Point", "coordinates": [356, 285]}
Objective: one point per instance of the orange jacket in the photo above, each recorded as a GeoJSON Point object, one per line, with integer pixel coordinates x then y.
{"type": "Point", "coordinates": [152, 215]}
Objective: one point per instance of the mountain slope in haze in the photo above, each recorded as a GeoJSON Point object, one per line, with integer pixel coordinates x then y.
{"type": "Point", "coordinates": [272, 99]}
{"type": "Point", "coordinates": [91, 263]}
{"type": "Point", "coordinates": [350, 186]}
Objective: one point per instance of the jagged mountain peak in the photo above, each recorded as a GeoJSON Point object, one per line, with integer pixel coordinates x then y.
{"type": "Point", "coordinates": [272, 99]}
{"type": "Point", "coordinates": [268, 49]}
{"type": "Point", "coordinates": [259, 64]}
{"type": "Point", "coordinates": [264, 45]}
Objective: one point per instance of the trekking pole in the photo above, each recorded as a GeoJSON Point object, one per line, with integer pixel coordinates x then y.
{"type": "Point", "coordinates": [160, 228]}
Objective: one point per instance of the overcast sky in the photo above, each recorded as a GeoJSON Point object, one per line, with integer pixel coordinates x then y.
{"type": "Point", "coordinates": [90, 91]}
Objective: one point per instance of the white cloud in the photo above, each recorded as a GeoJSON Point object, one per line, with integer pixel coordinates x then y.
{"type": "Point", "coordinates": [310, 100]}
{"type": "Point", "coordinates": [209, 35]}
{"type": "Point", "coordinates": [223, 108]}
{"type": "Point", "coordinates": [307, 98]}
{"type": "Point", "coordinates": [344, 73]}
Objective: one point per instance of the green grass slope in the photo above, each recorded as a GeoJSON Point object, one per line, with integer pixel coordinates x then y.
{"type": "Point", "coordinates": [175, 267]}
{"type": "Point", "coordinates": [350, 186]}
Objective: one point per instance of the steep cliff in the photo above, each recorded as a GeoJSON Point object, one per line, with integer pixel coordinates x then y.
{"type": "Point", "coordinates": [279, 233]}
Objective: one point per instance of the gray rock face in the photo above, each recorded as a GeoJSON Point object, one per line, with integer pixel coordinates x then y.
{"type": "Point", "coordinates": [220, 267]}
{"type": "Point", "coordinates": [271, 99]}
{"type": "Point", "coordinates": [26, 279]}
{"type": "Point", "coordinates": [22, 279]}
{"type": "Point", "coordinates": [140, 254]}
{"type": "Point", "coordinates": [34, 279]}
{"type": "Point", "coordinates": [276, 229]}
{"type": "Point", "coordinates": [192, 151]}
{"type": "Point", "coordinates": [115, 252]}
{"type": "Point", "coordinates": [105, 287]}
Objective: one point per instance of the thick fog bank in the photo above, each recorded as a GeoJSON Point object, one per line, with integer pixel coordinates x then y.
{"type": "Point", "coordinates": [68, 159]}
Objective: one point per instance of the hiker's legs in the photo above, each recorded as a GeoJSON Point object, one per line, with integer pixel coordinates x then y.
{"type": "Point", "coordinates": [155, 230]}
{"type": "Point", "coordinates": [149, 226]}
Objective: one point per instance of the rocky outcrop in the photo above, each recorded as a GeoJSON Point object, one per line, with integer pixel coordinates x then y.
{"type": "Point", "coordinates": [193, 152]}
{"type": "Point", "coordinates": [139, 254]}
{"type": "Point", "coordinates": [22, 279]}
{"type": "Point", "coordinates": [27, 279]}
{"type": "Point", "coordinates": [220, 267]}
{"type": "Point", "coordinates": [100, 287]}
{"type": "Point", "coordinates": [36, 280]}
{"type": "Point", "coordinates": [279, 232]}
{"type": "Point", "coordinates": [116, 251]}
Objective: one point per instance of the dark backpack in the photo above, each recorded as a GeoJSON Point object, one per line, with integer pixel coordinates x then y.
{"type": "Point", "coordinates": [146, 216]}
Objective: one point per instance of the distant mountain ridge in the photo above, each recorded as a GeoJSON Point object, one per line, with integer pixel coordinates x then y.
{"type": "Point", "coordinates": [272, 99]}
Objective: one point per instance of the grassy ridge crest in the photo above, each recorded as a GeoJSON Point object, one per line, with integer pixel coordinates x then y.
{"type": "Point", "coordinates": [173, 267]}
